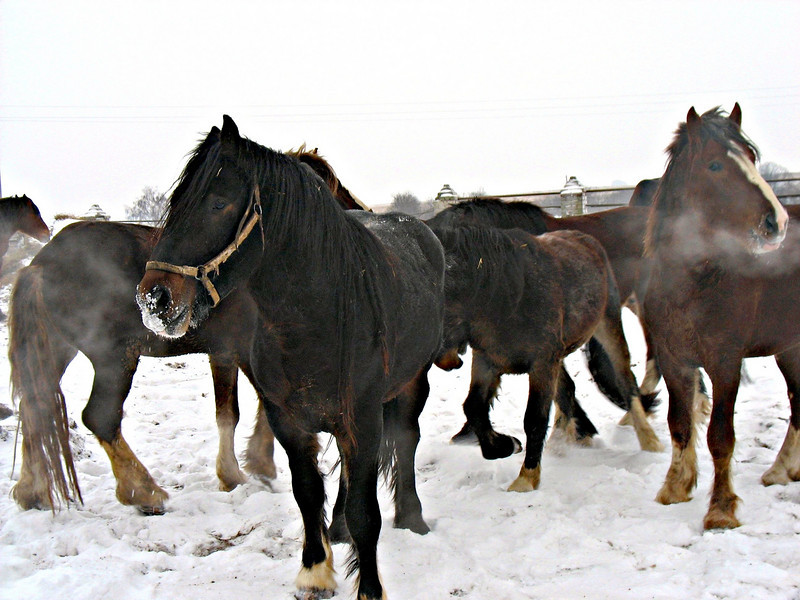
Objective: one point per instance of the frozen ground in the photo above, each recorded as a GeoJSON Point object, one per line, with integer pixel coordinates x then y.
{"type": "Point", "coordinates": [591, 531]}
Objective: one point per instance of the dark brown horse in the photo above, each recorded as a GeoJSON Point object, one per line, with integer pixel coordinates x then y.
{"type": "Point", "coordinates": [621, 233]}
{"type": "Point", "coordinates": [350, 310]}
{"type": "Point", "coordinates": [19, 213]}
{"type": "Point", "coordinates": [87, 276]}
{"type": "Point", "coordinates": [523, 303]}
{"type": "Point", "coordinates": [724, 286]}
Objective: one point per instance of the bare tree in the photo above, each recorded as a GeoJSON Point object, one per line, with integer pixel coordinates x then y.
{"type": "Point", "coordinates": [405, 202]}
{"type": "Point", "coordinates": [150, 206]}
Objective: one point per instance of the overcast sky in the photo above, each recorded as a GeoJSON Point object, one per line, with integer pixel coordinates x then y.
{"type": "Point", "coordinates": [100, 99]}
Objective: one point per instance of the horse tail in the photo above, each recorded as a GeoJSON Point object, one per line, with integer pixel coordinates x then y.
{"type": "Point", "coordinates": [35, 381]}
{"type": "Point", "coordinates": [602, 371]}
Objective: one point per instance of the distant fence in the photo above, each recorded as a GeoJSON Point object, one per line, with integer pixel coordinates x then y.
{"type": "Point", "coordinates": [787, 189]}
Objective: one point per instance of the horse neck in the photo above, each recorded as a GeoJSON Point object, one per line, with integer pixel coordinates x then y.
{"type": "Point", "coordinates": [10, 216]}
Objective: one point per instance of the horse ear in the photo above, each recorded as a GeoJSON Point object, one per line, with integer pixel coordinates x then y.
{"type": "Point", "coordinates": [692, 121]}
{"type": "Point", "coordinates": [736, 115]}
{"type": "Point", "coordinates": [229, 129]}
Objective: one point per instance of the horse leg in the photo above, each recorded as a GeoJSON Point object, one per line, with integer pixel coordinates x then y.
{"type": "Point", "coordinates": [259, 461]}
{"type": "Point", "coordinates": [362, 511]}
{"type": "Point", "coordinates": [482, 390]}
{"type": "Point", "coordinates": [652, 373]}
{"type": "Point", "coordinates": [401, 434]}
{"type": "Point", "coordinates": [682, 474]}
{"type": "Point", "coordinates": [570, 416]}
{"type": "Point", "coordinates": [337, 532]}
{"type": "Point", "coordinates": [316, 578]}
{"type": "Point", "coordinates": [225, 374]}
{"type": "Point", "coordinates": [786, 467]}
{"type": "Point", "coordinates": [622, 388]}
{"type": "Point", "coordinates": [721, 439]}
{"type": "Point", "coordinates": [543, 381]}
{"type": "Point", "coordinates": [103, 416]}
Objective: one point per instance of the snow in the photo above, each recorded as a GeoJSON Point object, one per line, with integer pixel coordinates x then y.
{"type": "Point", "coordinates": [592, 530]}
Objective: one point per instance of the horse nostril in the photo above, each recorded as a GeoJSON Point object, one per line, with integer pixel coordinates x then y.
{"type": "Point", "coordinates": [158, 299]}
{"type": "Point", "coordinates": [771, 224]}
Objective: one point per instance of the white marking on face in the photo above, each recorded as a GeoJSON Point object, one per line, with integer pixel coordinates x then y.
{"type": "Point", "coordinates": [754, 177]}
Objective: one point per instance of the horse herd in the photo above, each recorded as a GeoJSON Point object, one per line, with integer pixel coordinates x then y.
{"type": "Point", "coordinates": [336, 316]}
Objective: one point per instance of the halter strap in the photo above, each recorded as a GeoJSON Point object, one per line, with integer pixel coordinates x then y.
{"type": "Point", "coordinates": [251, 217]}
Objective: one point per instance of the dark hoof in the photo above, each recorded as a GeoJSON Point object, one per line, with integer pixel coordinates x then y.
{"type": "Point", "coordinates": [465, 437]}
{"type": "Point", "coordinates": [151, 511]}
{"type": "Point", "coordinates": [500, 446]}
{"type": "Point", "coordinates": [416, 524]}
{"type": "Point", "coordinates": [313, 594]}
{"type": "Point", "coordinates": [338, 532]}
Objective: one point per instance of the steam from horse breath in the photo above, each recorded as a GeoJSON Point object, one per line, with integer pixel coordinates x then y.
{"type": "Point", "coordinates": [697, 242]}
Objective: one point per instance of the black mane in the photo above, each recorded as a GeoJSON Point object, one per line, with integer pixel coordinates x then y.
{"type": "Point", "coordinates": [493, 212]}
{"type": "Point", "coordinates": [479, 261]}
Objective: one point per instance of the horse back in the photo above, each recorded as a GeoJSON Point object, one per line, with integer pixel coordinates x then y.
{"type": "Point", "coordinates": [416, 300]}
{"type": "Point", "coordinates": [585, 278]}
{"type": "Point", "coordinates": [621, 232]}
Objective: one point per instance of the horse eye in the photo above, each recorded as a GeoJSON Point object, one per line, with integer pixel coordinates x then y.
{"type": "Point", "coordinates": [219, 204]}
{"type": "Point", "coordinates": [715, 166]}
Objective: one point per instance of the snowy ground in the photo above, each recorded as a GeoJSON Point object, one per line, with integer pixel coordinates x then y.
{"type": "Point", "coordinates": [591, 531]}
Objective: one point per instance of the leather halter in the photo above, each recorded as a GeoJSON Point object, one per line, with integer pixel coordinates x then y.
{"type": "Point", "coordinates": [251, 217]}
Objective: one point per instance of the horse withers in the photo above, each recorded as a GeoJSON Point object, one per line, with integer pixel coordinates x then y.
{"type": "Point", "coordinates": [349, 318]}
{"type": "Point", "coordinates": [524, 303]}
{"type": "Point", "coordinates": [724, 282]}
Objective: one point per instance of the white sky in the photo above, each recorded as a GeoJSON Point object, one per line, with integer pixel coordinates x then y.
{"type": "Point", "coordinates": [100, 99]}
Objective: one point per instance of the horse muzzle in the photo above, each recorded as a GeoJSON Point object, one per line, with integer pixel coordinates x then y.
{"type": "Point", "coordinates": [771, 232]}
{"type": "Point", "coordinates": [165, 301]}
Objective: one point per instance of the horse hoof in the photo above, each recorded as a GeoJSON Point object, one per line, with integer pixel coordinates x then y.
{"type": "Point", "coordinates": [465, 437]}
{"type": "Point", "coordinates": [668, 495]}
{"type": "Point", "coordinates": [717, 519]}
{"type": "Point", "coordinates": [527, 481]}
{"type": "Point", "coordinates": [313, 594]}
{"type": "Point", "coordinates": [501, 446]}
{"type": "Point", "coordinates": [416, 524]}
{"type": "Point", "coordinates": [151, 511]}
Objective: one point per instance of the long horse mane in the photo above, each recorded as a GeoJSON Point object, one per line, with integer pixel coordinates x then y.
{"type": "Point", "coordinates": [494, 212]}
{"type": "Point", "coordinates": [300, 213]}
{"type": "Point", "coordinates": [714, 126]}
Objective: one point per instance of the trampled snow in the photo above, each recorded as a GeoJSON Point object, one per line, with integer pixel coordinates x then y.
{"type": "Point", "coordinates": [592, 530]}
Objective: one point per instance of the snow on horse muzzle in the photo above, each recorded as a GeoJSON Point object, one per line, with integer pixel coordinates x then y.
{"type": "Point", "coordinates": [167, 293]}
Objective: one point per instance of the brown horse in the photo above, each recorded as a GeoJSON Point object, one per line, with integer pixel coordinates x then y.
{"type": "Point", "coordinates": [19, 213]}
{"type": "Point", "coordinates": [720, 290]}
{"type": "Point", "coordinates": [96, 265]}
{"type": "Point", "coordinates": [523, 303]}
{"type": "Point", "coordinates": [621, 233]}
